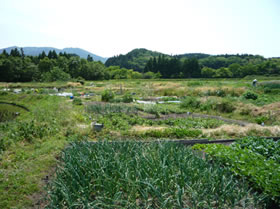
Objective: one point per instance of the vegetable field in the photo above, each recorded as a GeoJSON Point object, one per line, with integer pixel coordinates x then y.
{"type": "Point", "coordinates": [137, 175]}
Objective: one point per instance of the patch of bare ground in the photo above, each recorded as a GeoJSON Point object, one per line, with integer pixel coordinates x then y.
{"type": "Point", "coordinates": [238, 131]}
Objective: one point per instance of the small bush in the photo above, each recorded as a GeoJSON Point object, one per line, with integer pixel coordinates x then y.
{"type": "Point", "coordinates": [77, 101]}
{"type": "Point", "coordinates": [173, 132]}
{"type": "Point", "coordinates": [218, 93]}
{"type": "Point", "coordinates": [152, 109]}
{"type": "Point", "coordinates": [3, 93]}
{"type": "Point", "coordinates": [245, 111]}
{"type": "Point", "coordinates": [250, 95]}
{"type": "Point", "coordinates": [80, 79]}
{"type": "Point", "coordinates": [127, 98]}
{"type": "Point", "coordinates": [190, 102]}
{"type": "Point", "coordinates": [261, 119]}
{"type": "Point", "coordinates": [225, 106]}
{"type": "Point", "coordinates": [107, 96]}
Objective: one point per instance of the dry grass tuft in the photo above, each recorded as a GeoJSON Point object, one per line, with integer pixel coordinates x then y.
{"type": "Point", "coordinates": [147, 128]}
{"type": "Point", "coordinates": [169, 85]}
{"type": "Point", "coordinates": [238, 131]}
{"type": "Point", "coordinates": [74, 84]}
{"type": "Point", "coordinates": [273, 108]}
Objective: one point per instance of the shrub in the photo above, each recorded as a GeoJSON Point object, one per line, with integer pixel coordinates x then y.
{"type": "Point", "coordinates": [250, 95]}
{"type": "Point", "coordinates": [3, 93]}
{"type": "Point", "coordinates": [218, 92]}
{"type": "Point", "coordinates": [190, 102]}
{"type": "Point", "coordinates": [80, 79]}
{"type": "Point", "coordinates": [152, 109]}
{"type": "Point", "coordinates": [225, 106]}
{"type": "Point", "coordinates": [127, 98]}
{"type": "Point", "coordinates": [245, 111]}
{"type": "Point", "coordinates": [173, 132]}
{"type": "Point", "coordinates": [151, 75]}
{"type": "Point", "coordinates": [261, 119]}
{"type": "Point", "coordinates": [107, 96]}
{"type": "Point", "coordinates": [77, 101]}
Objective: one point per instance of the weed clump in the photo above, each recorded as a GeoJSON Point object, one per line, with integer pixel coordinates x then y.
{"type": "Point", "coordinates": [250, 95]}
{"type": "Point", "coordinates": [190, 102]}
{"type": "Point", "coordinates": [107, 96]}
{"type": "Point", "coordinates": [127, 98]}
{"type": "Point", "coordinates": [77, 101]}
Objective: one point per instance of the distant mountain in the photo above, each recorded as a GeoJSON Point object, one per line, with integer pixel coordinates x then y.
{"type": "Point", "coordinates": [136, 59]}
{"type": "Point", "coordinates": [35, 51]}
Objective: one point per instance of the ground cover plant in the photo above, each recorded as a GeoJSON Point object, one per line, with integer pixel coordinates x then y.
{"type": "Point", "coordinates": [254, 159]}
{"type": "Point", "coordinates": [9, 112]}
{"type": "Point", "coordinates": [171, 127]}
{"type": "Point", "coordinates": [100, 108]}
{"type": "Point", "coordinates": [268, 148]}
{"type": "Point", "coordinates": [137, 175]}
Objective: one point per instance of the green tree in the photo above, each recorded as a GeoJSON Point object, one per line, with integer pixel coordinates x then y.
{"type": "Point", "coordinates": [45, 65]}
{"type": "Point", "coordinates": [56, 74]}
{"type": "Point", "coordinates": [15, 53]}
{"type": "Point", "coordinates": [236, 70]}
{"type": "Point", "coordinates": [89, 58]}
{"type": "Point", "coordinates": [207, 72]}
{"type": "Point", "coordinates": [223, 73]}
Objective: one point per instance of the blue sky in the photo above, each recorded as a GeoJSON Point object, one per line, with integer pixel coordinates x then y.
{"type": "Point", "coordinates": [111, 27]}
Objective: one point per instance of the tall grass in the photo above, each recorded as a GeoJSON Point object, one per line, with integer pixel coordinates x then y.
{"type": "Point", "coordinates": [135, 175]}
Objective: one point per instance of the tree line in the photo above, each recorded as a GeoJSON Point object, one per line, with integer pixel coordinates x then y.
{"type": "Point", "coordinates": [174, 67]}
{"type": "Point", "coordinates": [17, 67]}
{"type": "Point", "coordinates": [223, 66]}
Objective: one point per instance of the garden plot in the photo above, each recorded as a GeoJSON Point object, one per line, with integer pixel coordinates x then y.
{"type": "Point", "coordinates": [257, 159]}
{"type": "Point", "coordinates": [155, 175]}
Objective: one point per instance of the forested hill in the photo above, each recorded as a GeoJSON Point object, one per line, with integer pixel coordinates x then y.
{"type": "Point", "coordinates": [136, 59]}
{"type": "Point", "coordinates": [35, 51]}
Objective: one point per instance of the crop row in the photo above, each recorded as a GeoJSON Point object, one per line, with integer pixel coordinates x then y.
{"type": "Point", "coordinates": [252, 158]}
{"type": "Point", "coordinates": [150, 175]}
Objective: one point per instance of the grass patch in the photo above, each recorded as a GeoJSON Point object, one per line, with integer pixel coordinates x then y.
{"type": "Point", "coordinates": [30, 145]}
